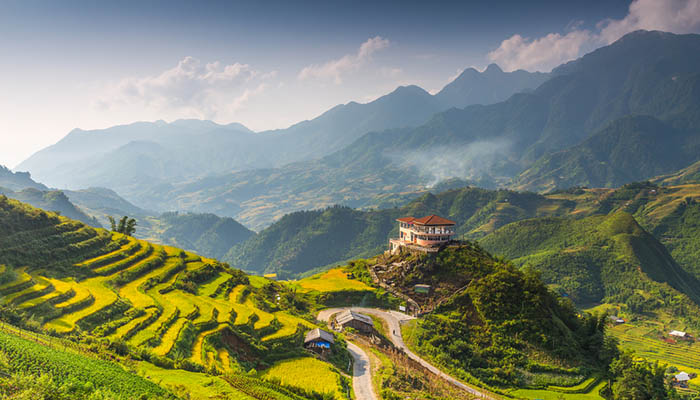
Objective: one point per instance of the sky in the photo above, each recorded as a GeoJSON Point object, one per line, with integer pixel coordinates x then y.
{"type": "Point", "coordinates": [269, 64]}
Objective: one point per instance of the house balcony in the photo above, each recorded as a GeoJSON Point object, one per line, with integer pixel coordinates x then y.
{"type": "Point", "coordinates": [424, 230]}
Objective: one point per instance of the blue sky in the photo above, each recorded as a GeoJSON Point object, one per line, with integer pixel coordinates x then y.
{"type": "Point", "coordinates": [88, 64]}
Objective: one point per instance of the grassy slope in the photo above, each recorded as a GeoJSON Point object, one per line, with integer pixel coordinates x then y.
{"type": "Point", "coordinates": [128, 292]}
{"type": "Point", "coordinates": [598, 258]}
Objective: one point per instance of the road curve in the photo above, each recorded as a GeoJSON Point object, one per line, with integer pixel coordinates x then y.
{"type": "Point", "coordinates": [394, 320]}
{"type": "Point", "coordinates": [361, 374]}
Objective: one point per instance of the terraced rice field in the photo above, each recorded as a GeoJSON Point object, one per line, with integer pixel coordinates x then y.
{"type": "Point", "coordinates": [158, 298]}
{"type": "Point", "coordinates": [645, 342]}
{"type": "Point", "coordinates": [142, 276]}
{"type": "Point", "coordinates": [308, 373]}
{"type": "Point", "coordinates": [103, 297]}
{"type": "Point", "coordinates": [332, 281]}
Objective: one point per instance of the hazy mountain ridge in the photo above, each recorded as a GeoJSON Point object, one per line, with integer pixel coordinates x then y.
{"type": "Point", "coordinates": [588, 103]}
{"type": "Point", "coordinates": [206, 234]}
{"type": "Point", "coordinates": [18, 180]}
{"type": "Point", "coordinates": [51, 200]}
{"type": "Point", "coordinates": [627, 150]}
{"type": "Point", "coordinates": [188, 149]}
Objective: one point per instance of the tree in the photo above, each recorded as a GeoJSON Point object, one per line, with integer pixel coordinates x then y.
{"type": "Point", "coordinates": [638, 379]}
{"type": "Point", "coordinates": [125, 225]}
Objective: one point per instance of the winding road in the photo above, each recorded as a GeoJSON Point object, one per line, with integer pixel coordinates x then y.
{"type": "Point", "coordinates": [394, 319]}
{"type": "Point", "coordinates": [361, 374]}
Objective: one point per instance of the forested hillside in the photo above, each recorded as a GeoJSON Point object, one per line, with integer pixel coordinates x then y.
{"type": "Point", "coordinates": [600, 259]}
{"type": "Point", "coordinates": [306, 240]}
{"type": "Point", "coordinates": [206, 234]}
{"type": "Point", "coordinates": [505, 328]}
{"type": "Point", "coordinates": [628, 150]}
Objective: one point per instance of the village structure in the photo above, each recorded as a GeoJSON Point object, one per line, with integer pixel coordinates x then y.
{"type": "Point", "coordinates": [682, 379]}
{"type": "Point", "coordinates": [680, 335]}
{"type": "Point", "coordinates": [352, 319]}
{"type": "Point", "coordinates": [319, 341]}
{"type": "Point", "coordinates": [427, 234]}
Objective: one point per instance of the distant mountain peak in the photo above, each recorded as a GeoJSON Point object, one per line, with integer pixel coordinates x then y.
{"type": "Point", "coordinates": [493, 68]}
{"type": "Point", "coordinates": [408, 89]}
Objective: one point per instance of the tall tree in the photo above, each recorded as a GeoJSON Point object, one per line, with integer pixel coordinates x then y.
{"type": "Point", "coordinates": [125, 225]}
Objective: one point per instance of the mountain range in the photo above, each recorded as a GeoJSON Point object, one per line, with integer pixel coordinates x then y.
{"type": "Point", "coordinates": [139, 156]}
{"type": "Point", "coordinates": [598, 121]}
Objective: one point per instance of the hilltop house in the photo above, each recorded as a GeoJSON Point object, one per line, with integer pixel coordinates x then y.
{"type": "Point", "coordinates": [426, 234]}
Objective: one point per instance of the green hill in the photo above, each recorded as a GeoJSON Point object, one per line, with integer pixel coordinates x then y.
{"type": "Point", "coordinates": [504, 328]}
{"type": "Point", "coordinates": [206, 234]}
{"type": "Point", "coordinates": [52, 200]}
{"type": "Point", "coordinates": [689, 174]}
{"type": "Point", "coordinates": [604, 258]}
{"type": "Point", "coordinates": [174, 314]}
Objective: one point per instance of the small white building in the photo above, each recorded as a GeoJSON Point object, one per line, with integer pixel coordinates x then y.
{"type": "Point", "coordinates": [682, 377]}
{"type": "Point", "coordinates": [678, 334]}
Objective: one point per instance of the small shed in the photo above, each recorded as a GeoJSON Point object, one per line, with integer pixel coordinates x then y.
{"type": "Point", "coordinates": [616, 320]}
{"type": "Point", "coordinates": [679, 334]}
{"type": "Point", "coordinates": [354, 320]}
{"type": "Point", "coordinates": [319, 340]}
{"type": "Point", "coordinates": [421, 288]}
{"type": "Point", "coordinates": [682, 377]}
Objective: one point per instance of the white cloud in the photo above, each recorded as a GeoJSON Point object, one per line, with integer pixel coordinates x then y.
{"type": "Point", "coordinates": [544, 53]}
{"type": "Point", "coordinates": [191, 88]}
{"type": "Point", "coordinates": [677, 16]}
{"type": "Point", "coordinates": [541, 54]}
{"type": "Point", "coordinates": [335, 69]}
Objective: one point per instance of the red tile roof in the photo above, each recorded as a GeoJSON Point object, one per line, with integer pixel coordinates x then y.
{"type": "Point", "coordinates": [433, 220]}
{"type": "Point", "coordinates": [406, 219]}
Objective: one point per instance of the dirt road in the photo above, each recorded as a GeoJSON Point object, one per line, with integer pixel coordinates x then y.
{"type": "Point", "coordinates": [394, 319]}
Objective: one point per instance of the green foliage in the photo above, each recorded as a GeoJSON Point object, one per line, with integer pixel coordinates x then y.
{"type": "Point", "coordinates": [639, 380]}
{"type": "Point", "coordinates": [205, 233]}
{"type": "Point", "coordinates": [126, 225]}
{"type": "Point", "coordinates": [68, 372]}
{"type": "Point", "coordinates": [189, 280]}
{"type": "Point", "coordinates": [601, 259]}
{"type": "Point", "coordinates": [505, 320]}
